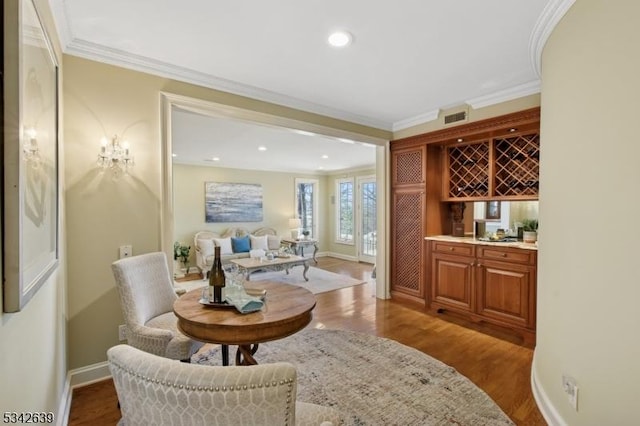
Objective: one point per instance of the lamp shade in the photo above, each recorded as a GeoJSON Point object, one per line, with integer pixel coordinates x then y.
{"type": "Point", "coordinates": [295, 223]}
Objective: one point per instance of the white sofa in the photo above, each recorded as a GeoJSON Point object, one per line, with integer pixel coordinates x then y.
{"type": "Point", "coordinates": [205, 241]}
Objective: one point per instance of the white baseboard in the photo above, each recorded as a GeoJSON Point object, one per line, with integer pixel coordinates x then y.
{"type": "Point", "coordinates": [340, 256]}
{"type": "Point", "coordinates": [77, 378]}
{"type": "Point", "coordinates": [545, 406]}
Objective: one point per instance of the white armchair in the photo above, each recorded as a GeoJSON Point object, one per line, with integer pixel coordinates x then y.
{"type": "Point", "coordinates": [159, 391]}
{"type": "Point", "coordinates": [146, 296]}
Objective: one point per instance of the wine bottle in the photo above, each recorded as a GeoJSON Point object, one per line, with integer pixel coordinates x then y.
{"type": "Point", "coordinates": [216, 278]}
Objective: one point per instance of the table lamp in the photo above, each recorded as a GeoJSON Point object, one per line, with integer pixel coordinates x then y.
{"type": "Point", "coordinates": [294, 224]}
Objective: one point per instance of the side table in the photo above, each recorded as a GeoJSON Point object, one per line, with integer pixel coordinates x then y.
{"type": "Point", "coordinates": [299, 245]}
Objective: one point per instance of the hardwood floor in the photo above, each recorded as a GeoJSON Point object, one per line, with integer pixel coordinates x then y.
{"type": "Point", "coordinates": [494, 360]}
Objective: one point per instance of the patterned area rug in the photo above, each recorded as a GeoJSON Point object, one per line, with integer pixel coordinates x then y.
{"type": "Point", "coordinates": [375, 381]}
{"type": "Point", "coordinates": [320, 281]}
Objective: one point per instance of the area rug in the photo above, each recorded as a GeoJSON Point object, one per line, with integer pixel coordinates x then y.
{"type": "Point", "coordinates": [320, 281]}
{"type": "Point", "coordinates": [376, 381]}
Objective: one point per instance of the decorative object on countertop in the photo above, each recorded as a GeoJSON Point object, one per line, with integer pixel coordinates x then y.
{"type": "Point", "coordinates": [530, 228]}
{"type": "Point", "coordinates": [457, 218]}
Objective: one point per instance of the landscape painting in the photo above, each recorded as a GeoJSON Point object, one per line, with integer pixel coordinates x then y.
{"type": "Point", "coordinates": [232, 202]}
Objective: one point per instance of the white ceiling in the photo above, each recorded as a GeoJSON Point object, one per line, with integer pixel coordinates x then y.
{"type": "Point", "coordinates": [409, 58]}
{"type": "Point", "coordinates": [198, 139]}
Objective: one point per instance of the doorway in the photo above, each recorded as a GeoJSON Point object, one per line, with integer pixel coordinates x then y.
{"type": "Point", "coordinates": [170, 101]}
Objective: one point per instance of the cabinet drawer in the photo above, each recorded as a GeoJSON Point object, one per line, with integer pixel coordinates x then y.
{"type": "Point", "coordinates": [453, 248]}
{"type": "Point", "coordinates": [527, 257]}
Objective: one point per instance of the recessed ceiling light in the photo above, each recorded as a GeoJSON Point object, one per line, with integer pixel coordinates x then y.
{"type": "Point", "coordinates": [262, 148]}
{"type": "Point", "coordinates": [325, 156]}
{"type": "Point", "coordinates": [513, 129]}
{"type": "Point", "coordinates": [215, 159]}
{"type": "Point", "coordinates": [304, 132]}
{"type": "Point", "coordinates": [340, 38]}
{"type": "Point", "coordinates": [174, 155]}
{"type": "Point", "coordinates": [460, 139]}
{"type": "Point", "coordinates": [320, 168]}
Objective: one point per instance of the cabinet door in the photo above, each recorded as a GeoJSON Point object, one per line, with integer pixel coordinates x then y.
{"type": "Point", "coordinates": [506, 292]}
{"type": "Point", "coordinates": [407, 249]}
{"type": "Point", "coordinates": [452, 281]}
{"type": "Point", "coordinates": [408, 166]}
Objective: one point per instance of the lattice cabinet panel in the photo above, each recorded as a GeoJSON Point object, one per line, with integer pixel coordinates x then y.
{"type": "Point", "coordinates": [408, 166]}
{"type": "Point", "coordinates": [517, 165]}
{"type": "Point", "coordinates": [408, 236]}
{"type": "Point", "coordinates": [468, 167]}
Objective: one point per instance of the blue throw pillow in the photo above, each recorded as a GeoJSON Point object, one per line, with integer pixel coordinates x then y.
{"type": "Point", "coordinates": [241, 244]}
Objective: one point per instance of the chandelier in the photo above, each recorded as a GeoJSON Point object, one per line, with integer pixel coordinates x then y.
{"type": "Point", "coordinates": [115, 156]}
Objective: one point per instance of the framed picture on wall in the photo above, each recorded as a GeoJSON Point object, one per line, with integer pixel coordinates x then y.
{"type": "Point", "coordinates": [232, 202]}
{"type": "Point", "coordinates": [30, 149]}
{"type": "Point", "coordinates": [492, 210]}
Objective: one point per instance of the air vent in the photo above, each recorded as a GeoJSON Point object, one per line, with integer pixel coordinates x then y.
{"type": "Point", "coordinates": [455, 117]}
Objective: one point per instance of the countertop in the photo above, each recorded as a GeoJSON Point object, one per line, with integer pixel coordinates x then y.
{"type": "Point", "coordinates": [471, 240]}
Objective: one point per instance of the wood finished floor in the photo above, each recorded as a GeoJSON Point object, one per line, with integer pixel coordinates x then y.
{"type": "Point", "coordinates": [494, 360]}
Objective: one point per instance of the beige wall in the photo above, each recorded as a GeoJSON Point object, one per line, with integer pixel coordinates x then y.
{"type": "Point", "coordinates": [589, 285]}
{"type": "Point", "coordinates": [102, 100]}
{"type": "Point", "coordinates": [33, 347]}
{"type": "Point", "coordinates": [278, 192]}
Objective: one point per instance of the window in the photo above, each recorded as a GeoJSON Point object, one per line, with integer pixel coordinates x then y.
{"type": "Point", "coordinates": [345, 209]}
{"type": "Point", "coordinates": [306, 204]}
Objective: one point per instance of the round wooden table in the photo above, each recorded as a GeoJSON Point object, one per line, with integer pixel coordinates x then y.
{"type": "Point", "coordinates": [287, 309]}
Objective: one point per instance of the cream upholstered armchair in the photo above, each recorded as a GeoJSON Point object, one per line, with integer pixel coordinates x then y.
{"type": "Point", "coordinates": [158, 391]}
{"type": "Point", "coordinates": [147, 295]}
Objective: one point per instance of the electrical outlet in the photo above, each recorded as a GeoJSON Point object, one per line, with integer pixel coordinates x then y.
{"type": "Point", "coordinates": [570, 387]}
{"type": "Point", "coordinates": [126, 251]}
{"type": "Point", "coordinates": [122, 333]}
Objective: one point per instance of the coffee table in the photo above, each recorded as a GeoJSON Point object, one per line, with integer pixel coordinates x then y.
{"type": "Point", "coordinates": [287, 310]}
{"type": "Point", "coordinates": [252, 264]}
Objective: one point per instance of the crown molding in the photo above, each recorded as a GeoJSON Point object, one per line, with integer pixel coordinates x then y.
{"type": "Point", "coordinates": [547, 21]}
{"type": "Point", "coordinates": [505, 95]}
{"type": "Point", "coordinates": [415, 121]}
{"type": "Point", "coordinates": [101, 53]}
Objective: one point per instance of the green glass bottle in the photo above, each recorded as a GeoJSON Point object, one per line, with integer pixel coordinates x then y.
{"type": "Point", "coordinates": [216, 279]}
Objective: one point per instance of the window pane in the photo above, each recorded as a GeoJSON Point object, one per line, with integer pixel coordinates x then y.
{"type": "Point", "coordinates": [305, 205]}
{"type": "Point", "coordinates": [369, 219]}
{"type": "Point", "coordinates": [345, 213]}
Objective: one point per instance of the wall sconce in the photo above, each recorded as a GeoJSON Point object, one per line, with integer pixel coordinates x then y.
{"type": "Point", "coordinates": [295, 225]}
{"type": "Point", "coordinates": [30, 147]}
{"type": "Point", "coordinates": [115, 156]}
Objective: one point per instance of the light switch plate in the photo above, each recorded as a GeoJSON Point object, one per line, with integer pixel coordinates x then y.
{"type": "Point", "coordinates": [126, 251]}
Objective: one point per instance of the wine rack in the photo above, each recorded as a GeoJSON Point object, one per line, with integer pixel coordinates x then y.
{"type": "Point", "coordinates": [517, 165]}
{"type": "Point", "coordinates": [468, 170]}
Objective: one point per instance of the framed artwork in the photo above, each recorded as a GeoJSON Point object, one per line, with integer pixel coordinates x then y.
{"type": "Point", "coordinates": [232, 202]}
{"type": "Point", "coordinates": [30, 148]}
{"type": "Point", "coordinates": [492, 210]}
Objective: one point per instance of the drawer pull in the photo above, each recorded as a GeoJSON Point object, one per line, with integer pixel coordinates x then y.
{"type": "Point", "coordinates": [504, 254]}
{"type": "Point", "coordinates": [451, 249]}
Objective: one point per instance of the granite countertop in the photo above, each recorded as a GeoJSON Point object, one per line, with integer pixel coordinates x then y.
{"type": "Point", "coordinates": [471, 240]}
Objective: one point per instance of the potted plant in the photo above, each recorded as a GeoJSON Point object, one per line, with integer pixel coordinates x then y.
{"type": "Point", "coordinates": [530, 230]}
{"type": "Point", "coordinates": [181, 253]}
{"type": "Point", "coordinates": [305, 234]}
